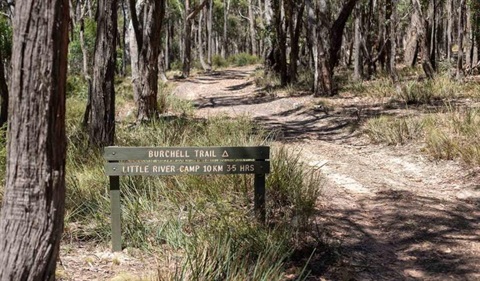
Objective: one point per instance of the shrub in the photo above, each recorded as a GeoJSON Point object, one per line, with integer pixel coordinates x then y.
{"type": "Point", "coordinates": [243, 59]}
{"type": "Point", "coordinates": [392, 130]}
{"type": "Point", "coordinates": [218, 61]}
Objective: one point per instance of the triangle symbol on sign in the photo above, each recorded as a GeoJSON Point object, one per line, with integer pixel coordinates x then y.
{"type": "Point", "coordinates": [225, 154]}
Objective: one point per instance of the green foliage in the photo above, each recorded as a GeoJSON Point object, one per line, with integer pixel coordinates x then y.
{"type": "Point", "coordinates": [219, 61]}
{"type": "Point", "coordinates": [6, 37]}
{"type": "Point", "coordinates": [75, 55]}
{"type": "Point", "coordinates": [429, 91]}
{"type": "Point", "coordinates": [392, 130]}
{"type": "Point", "coordinates": [77, 86]}
{"type": "Point", "coordinates": [454, 135]}
{"type": "Point", "coordinates": [243, 59]}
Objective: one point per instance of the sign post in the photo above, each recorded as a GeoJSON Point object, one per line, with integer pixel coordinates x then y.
{"type": "Point", "coordinates": [162, 161]}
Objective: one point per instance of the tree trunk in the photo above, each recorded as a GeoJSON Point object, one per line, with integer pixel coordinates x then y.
{"type": "Point", "coordinates": [423, 38]}
{"type": "Point", "coordinates": [449, 32]}
{"type": "Point", "coordinates": [251, 23]}
{"type": "Point", "coordinates": [329, 42]}
{"type": "Point", "coordinates": [357, 53]}
{"type": "Point", "coordinates": [391, 21]}
{"type": "Point", "coordinates": [3, 93]}
{"type": "Point", "coordinates": [101, 125]}
{"type": "Point", "coordinates": [411, 44]}
{"type": "Point", "coordinates": [226, 7]}
{"type": "Point", "coordinates": [124, 39]}
{"type": "Point", "coordinates": [278, 57]}
{"type": "Point", "coordinates": [295, 29]}
{"type": "Point", "coordinates": [31, 221]}
{"type": "Point", "coordinates": [461, 27]}
{"type": "Point", "coordinates": [312, 39]}
{"type": "Point", "coordinates": [147, 33]}
{"type": "Point", "coordinates": [200, 44]}
{"type": "Point", "coordinates": [187, 42]}
{"type": "Point", "coordinates": [209, 33]}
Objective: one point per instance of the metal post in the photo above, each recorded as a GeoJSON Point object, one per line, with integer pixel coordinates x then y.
{"type": "Point", "coordinates": [259, 196]}
{"type": "Point", "coordinates": [116, 214]}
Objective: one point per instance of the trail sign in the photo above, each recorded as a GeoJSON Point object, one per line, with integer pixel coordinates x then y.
{"type": "Point", "coordinates": [163, 161]}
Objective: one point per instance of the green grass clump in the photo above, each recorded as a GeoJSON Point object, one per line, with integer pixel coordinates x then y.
{"type": "Point", "coordinates": [392, 130]}
{"type": "Point", "coordinates": [219, 62]}
{"type": "Point", "coordinates": [242, 59]}
{"type": "Point", "coordinates": [455, 135]}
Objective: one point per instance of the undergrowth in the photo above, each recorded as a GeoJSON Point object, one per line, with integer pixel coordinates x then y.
{"type": "Point", "coordinates": [206, 222]}
{"type": "Point", "coordinates": [453, 134]}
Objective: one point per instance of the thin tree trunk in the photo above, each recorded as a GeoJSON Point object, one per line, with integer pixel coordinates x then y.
{"type": "Point", "coordinates": [3, 93]}
{"type": "Point", "coordinates": [209, 33]}
{"type": "Point", "coordinates": [147, 35]}
{"type": "Point", "coordinates": [390, 12]}
{"type": "Point", "coordinates": [226, 7]}
{"type": "Point", "coordinates": [86, 72]}
{"type": "Point", "coordinates": [411, 45]}
{"type": "Point", "coordinates": [357, 53]}
{"type": "Point", "coordinates": [200, 44]}
{"type": "Point", "coordinates": [31, 220]}
{"type": "Point", "coordinates": [461, 26]}
{"type": "Point", "coordinates": [101, 125]}
{"type": "Point", "coordinates": [187, 42]}
{"type": "Point", "coordinates": [251, 23]}
{"type": "Point", "coordinates": [423, 38]}
{"type": "Point", "coordinates": [449, 32]}
{"type": "Point", "coordinates": [124, 38]}
{"type": "Point", "coordinates": [295, 30]}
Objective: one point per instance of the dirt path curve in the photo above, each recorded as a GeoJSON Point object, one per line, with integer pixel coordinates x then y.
{"type": "Point", "coordinates": [395, 214]}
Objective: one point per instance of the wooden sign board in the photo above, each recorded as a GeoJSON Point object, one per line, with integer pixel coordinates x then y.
{"type": "Point", "coordinates": [164, 161]}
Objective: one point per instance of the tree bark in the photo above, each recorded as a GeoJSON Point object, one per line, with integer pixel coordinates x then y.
{"type": "Point", "coordinates": [31, 221]}
{"type": "Point", "coordinates": [209, 19]}
{"type": "Point", "coordinates": [226, 7]}
{"type": "Point", "coordinates": [251, 23]}
{"type": "Point", "coordinates": [147, 35]}
{"type": "Point", "coordinates": [461, 27]}
{"type": "Point", "coordinates": [200, 44]}
{"type": "Point", "coordinates": [423, 38]}
{"type": "Point", "coordinates": [3, 93]}
{"type": "Point", "coordinates": [295, 28]}
{"type": "Point", "coordinates": [449, 33]}
{"type": "Point", "coordinates": [101, 121]}
{"type": "Point", "coordinates": [390, 33]}
{"type": "Point", "coordinates": [329, 42]}
{"type": "Point", "coordinates": [411, 45]}
{"type": "Point", "coordinates": [357, 56]}
{"type": "Point", "coordinates": [187, 42]}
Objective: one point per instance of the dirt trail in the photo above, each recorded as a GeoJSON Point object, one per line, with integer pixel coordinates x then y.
{"type": "Point", "coordinates": [396, 214]}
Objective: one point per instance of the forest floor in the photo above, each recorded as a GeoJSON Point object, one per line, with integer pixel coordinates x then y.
{"type": "Point", "coordinates": [385, 213]}
{"type": "Point", "coordinates": [388, 212]}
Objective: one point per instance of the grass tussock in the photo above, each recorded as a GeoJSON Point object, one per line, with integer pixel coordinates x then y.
{"type": "Point", "coordinates": [455, 135]}
{"type": "Point", "coordinates": [392, 130]}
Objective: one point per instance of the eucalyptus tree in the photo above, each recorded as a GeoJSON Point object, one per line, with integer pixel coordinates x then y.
{"type": "Point", "coordinates": [31, 220]}
{"type": "Point", "coordinates": [5, 57]}
{"type": "Point", "coordinates": [147, 17]}
{"type": "Point", "coordinates": [101, 100]}
{"type": "Point", "coordinates": [326, 41]}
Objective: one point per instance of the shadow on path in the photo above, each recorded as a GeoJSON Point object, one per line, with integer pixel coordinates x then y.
{"type": "Point", "coordinates": [415, 237]}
